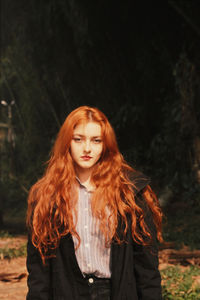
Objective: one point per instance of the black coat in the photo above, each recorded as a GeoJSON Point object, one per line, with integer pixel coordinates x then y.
{"type": "Point", "coordinates": [134, 270]}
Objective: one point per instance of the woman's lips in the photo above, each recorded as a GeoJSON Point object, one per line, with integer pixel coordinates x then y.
{"type": "Point", "coordinates": [86, 157]}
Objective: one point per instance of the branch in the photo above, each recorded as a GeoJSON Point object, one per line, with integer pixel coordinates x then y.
{"type": "Point", "coordinates": [185, 17]}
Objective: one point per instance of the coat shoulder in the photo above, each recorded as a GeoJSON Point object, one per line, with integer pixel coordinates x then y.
{"type": "Point", "coordinates": [139, 181]}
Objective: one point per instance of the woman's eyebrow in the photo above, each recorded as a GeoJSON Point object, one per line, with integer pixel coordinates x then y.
{"type": "Point", "coordinates": [82, 135]}
{"type": "Point", "coordinates": [78, 134]}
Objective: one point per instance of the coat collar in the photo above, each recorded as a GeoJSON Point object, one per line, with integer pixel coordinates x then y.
{"type": "Point", "coordinates": [139, 181]}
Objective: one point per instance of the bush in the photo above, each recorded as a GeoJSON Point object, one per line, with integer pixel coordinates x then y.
{"type": "Point", "coordinates": [180, 284]}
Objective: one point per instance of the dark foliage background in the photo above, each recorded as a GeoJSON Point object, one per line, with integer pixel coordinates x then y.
{"type": "Point", "coordinates": [137, 61]}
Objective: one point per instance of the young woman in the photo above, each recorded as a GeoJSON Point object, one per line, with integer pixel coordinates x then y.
{"type": "Point", "coordinates": [93, 220]}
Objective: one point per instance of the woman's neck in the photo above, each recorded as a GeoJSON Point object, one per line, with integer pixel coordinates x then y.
{"type": "Point", "coordinates": [85, 177]}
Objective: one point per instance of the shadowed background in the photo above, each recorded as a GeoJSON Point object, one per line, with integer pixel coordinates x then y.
{"type": "Point", "coordinates": [137, 61]}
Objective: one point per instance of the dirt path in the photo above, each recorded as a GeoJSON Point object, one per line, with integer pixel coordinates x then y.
{"type": "Point", "coordinates": [13, 278]}
{"type": "Point", "coordinates": [13, 274]}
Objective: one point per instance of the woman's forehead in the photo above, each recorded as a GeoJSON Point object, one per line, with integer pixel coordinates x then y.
{"type": "Point", "coordinates": [88, 128]}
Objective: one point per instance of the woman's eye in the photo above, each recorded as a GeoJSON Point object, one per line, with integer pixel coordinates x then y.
{"type": "Point", "coordinates": [78, 140]}
{"type": "Point", "coordinates": [97, 141]}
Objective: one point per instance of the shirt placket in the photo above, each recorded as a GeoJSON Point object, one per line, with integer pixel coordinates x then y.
{"type": "Point", "coordinates": [86, 228]}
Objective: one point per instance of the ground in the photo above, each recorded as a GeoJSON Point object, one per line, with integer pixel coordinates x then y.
{"type": "Point", "coordinates": [13, 278]}
{"type": "Point", "coordinates": [13, 274]}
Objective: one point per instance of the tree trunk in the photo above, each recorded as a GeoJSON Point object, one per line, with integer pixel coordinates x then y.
{"type": "Point", "coordinates": [186, 79]}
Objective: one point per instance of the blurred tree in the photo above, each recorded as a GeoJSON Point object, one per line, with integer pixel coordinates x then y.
{"type": "Point", "coordinates": [117, 55]}
{"type": "Point", "coordinates": [187, 81]}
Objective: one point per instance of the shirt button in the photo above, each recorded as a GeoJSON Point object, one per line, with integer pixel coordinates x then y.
{"type": "Point", "coordinates": [91, 280]}
{"type": "Point", "coordinates": [87, 245]}
{"type": "Point", "coordinates": [89, 265]}
{"type": "Point", "coordinates": [86, 209]}
{"type": "Point", "coordinates": [86, 227]}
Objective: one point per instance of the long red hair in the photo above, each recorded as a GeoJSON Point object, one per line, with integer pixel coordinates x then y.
{"type": "Point", "coordinates": [50, 208]}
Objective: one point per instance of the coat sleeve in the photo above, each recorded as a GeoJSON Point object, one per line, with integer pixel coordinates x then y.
{"type": "Point", "coordinates": [148, 279]}
{"type": "Point", "coordinates": [38, 275]}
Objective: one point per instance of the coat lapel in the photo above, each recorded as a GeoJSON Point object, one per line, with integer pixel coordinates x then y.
{"type": "Point", "coordinates": [119, 261]}
{"type": "Point", "coordinates": [67, 249]}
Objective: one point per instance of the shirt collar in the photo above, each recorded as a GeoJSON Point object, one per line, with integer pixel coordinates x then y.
{"type": "Point", "coordinates": [83, 186]}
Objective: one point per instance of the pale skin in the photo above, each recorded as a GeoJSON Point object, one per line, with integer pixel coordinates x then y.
{"type": "Point", "coordinates": [86, 149]}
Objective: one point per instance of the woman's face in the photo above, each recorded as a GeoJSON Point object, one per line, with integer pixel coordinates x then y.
{"type": "Point", "coordinates": [86, 145]}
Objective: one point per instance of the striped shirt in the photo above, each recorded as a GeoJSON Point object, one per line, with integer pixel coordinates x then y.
{"type": "Point", "coordinates": [92, 255]}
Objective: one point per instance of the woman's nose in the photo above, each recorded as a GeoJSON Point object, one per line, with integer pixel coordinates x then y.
{"type": "Point", "coordinates": [87, 146]}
